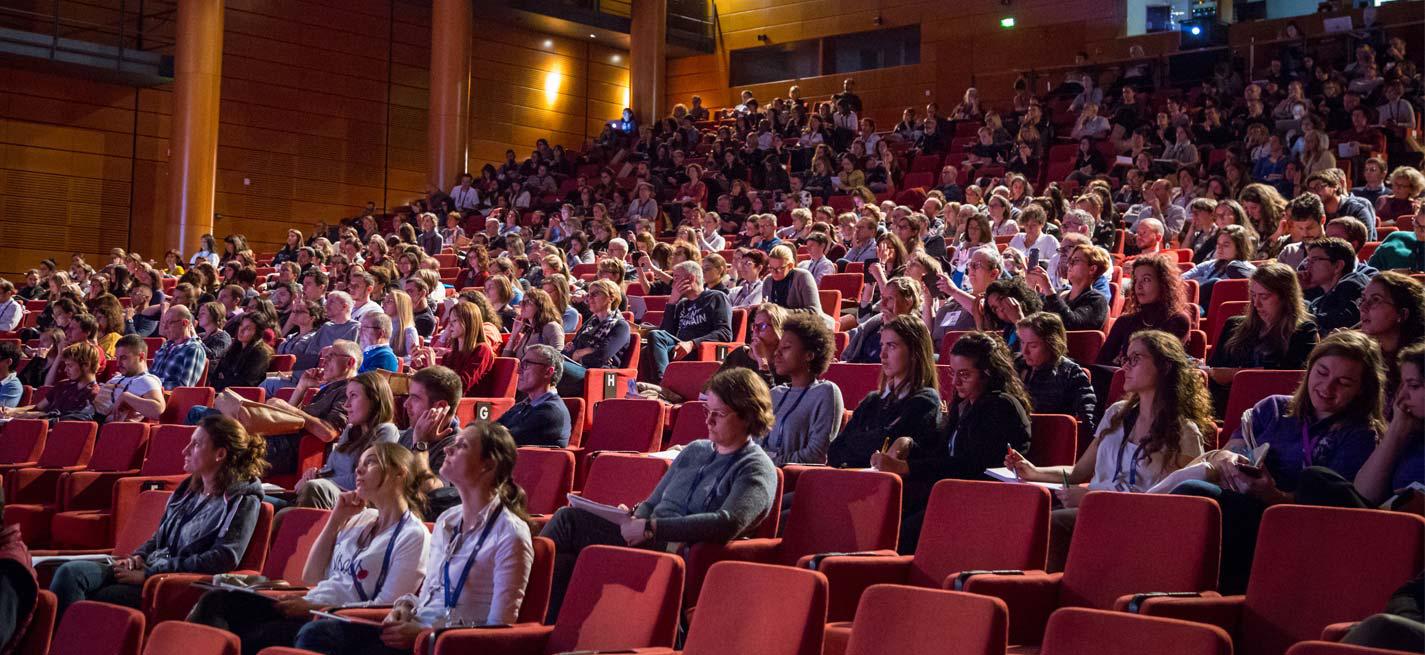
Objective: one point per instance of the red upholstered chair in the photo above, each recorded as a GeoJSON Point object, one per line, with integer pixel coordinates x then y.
{"type": "Point", "coordinates": [686, 378]}
{"type": "Point", "coordinates": [183, 399]}
{"type": "Point", "coordinates": [757, 608]}
{"type": "Point", "coordinates": [849, 284]}
{"type": "Point", "coordinates": [38, 634]}
{"type": "Point", "coordinates": [182, 638]}
{"type": "Point", "coordinates": [968, 526]}
{"type": "Point", "coordinates": [1224, 291]}
{"type": "Point", "coordinates": [31, 492]}
{"type": "Point", "coordinates": [1333, 648]}
{"type": "Point", "coordinates": [546, 475]}
{"type": "Point", "coordinates": [947, 342]}
{"type": "Point", "coordinates": [170, 596]}
{"type": "Point", "coordinates": [293, 533]}
{"type": "Point", "coordinates": [89, 500]}
{"type": "Point", "coordinates": [690, 423]}
{"type": "Point", "coordinates": [618, 598]}
{"type": "Point", "coordinates": [602, 384]}
{"type": "Point", "coordinates": [67, 446]}
{"type": "Point", "coordinates": [1055, 439]}
{"type": "Point", "coordinates": [1299, 585]}
{"type": "Point", "coordinates": [281, 363]}
{"type": "Point", "coordinates": [255, 394]}
{"type": "Point", "coordinates": [576, 409]}
{"type": "Point", "coordinates": [138, 520]}
{"type": "Point", "coordinates": [1250, 386]}
{"type": "Point", "coordinates": [836, 511]}
{"type": "Point", "coordinates": [623, 424]}
{"type": "Point", "coordinates": [622, 478]}
{"type": "Point", "coordinates": [90, 627]}
{"type": "Point", "coordinates": [855, 380]}
{"type": "Point", "coordinates": [22, 441]}
{"type": "Point", "coordinates": [1084, 345]}
{"type": "Point", "coordinates": [1083, 631]}
{"type": "Point", "coordinates": [1218, 316]}
{"type": "Point", "coordinates": [913, 621]}
{"type": "Point", "coordinates": [1117, 548]}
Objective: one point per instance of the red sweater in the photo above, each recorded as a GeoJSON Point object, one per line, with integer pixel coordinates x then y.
{"type": "Point", "coordinates": [472, 367]}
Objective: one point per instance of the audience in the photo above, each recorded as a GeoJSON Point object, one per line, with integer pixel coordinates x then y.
{"type": "Point", "coordinates": [181, 361]}
{"type": "Point", "coordinates": [600, 341]}
{"type": "Point", "coordinates": [697, 316]}
{"type": "Point", "coordinates": [803, 427]}
{"type": "Point", "coordinates": [1392, 309]}
{"type": "Point", "coordinates": [906, 402]}
{"type": "Point", "coordinates": [1276, 333]}
{"type": "Point", "coordinates": [72, 399]}
{"type": "Point", "coordinates": [540, 417]}
{"type": "Point", "coordinates": [1055, 384]}
{"type": "Point", "coordinates": [133, 394]}
{"type": "Point", "coordinates": [369, 412]}
{"type": "Point", "coordinates": [465, 351]}
{"type": "Point", "coordinates": [1156, 302]}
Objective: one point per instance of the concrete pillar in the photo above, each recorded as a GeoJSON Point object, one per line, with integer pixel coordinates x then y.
{"type": "Point", "coordinates": [447, 127]}
{"type": "Point", "coordinates": [193, 141]}
{"type": "Point", "coordinates": [648, 60]}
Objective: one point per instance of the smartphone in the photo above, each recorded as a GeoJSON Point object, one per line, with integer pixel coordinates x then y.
{"type": "Point", "coordinates": [932, 284]}
{"type": "Point", "coordinates": [866, 274]}
{"type": "Point", "coordinates": [1033, 257]}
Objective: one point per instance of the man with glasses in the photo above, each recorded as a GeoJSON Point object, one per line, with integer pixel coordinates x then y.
{"type": "Point", "coordinates": [1336, 199]}
{"type": "Point", "coordinates": [863, 245]}
{"type": "Point", "coordinates": [699, 315]}
{"type": "Point", "coordinates": [182, 360]}
{"type": "Point", "coordinates": [540, 419]}
{"type": "Point", "coordinates": [339, 326]}
{"type": "Point", "coordinates": [1331, 283]}
{"type": "Point", "coordinates": [324, 416]}
{"type": "Point", "coordinates": [1307, 220]}
{"type": "Point", "coordinates": [374, 335]}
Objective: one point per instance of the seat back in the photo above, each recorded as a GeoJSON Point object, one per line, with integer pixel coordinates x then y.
{"type": "Point", "coordinates": [120, 447]}
{"type": "Point", "coordinates": [690, 424]}
{"type": "Point", "coordinates": [255, 555]}
{"type": "Point", "coordinates": [281, 363]}
{"type": "Point", "coordinates": [759, 608]}
{"type": "Point", "coordinates": [1084, 345]}
{"type": "Point", "coordinates": [686, 378]}
{"type": "Point", "coordinates": [576, 409]}
{"type": "Point", "coordinates": [1055, 440]}
{"type": "Point", "coordinates": [91, 627]}
{"type": "Point", "coordinates": [981, 526]}
{"type": "Point", "coordinates": [183, 638]}
{"type": "Point", "coordinates": [855, 380]}
{"type": "Point", "coordinates": [1223, 291]}
{"type": "Point", "coordinates": [1334, 648]}
{"type": "Point", "coordinates": [841, 510]}
{"type": "Point", "coordinates": [541, 580]}
{"type": "Point", "coordinates": [626, 424]}
{"type": "Point", "coordinates": [1299, 585]}
{"type": "Point", "coordinates": [70, 443]}
{"type": "Point", "coordinates": [183, 399]}
{"type": "Point", "coordinates": [1082, 631]}
{"type": "Point", "coordinates": [38, 634]}
{"type": "Point", "coordinates": [500, 382]}
{"type": "Point", "coordinates": [625, 478]}
{"type": "Point", "coordinates": [830, 300]}
{"type": "Point", "coordinates": [165, 450]}
{"type": "Point", "coordinates": [980, 625]}
{"type": "Point", "coordinates": [295, 531]}
{"type": "Point", "coordinates": [546, 475]}
{"type": "Point", "coordinates": [1118, 541]}
{"type": "Point", "coordinates": [255, 394]}
{"type": "Point", "coordinates": [619, 598]}
{"type": "Point", "coordinates": [141, 522]}
{"type": "Point", "coordinates": [1250, 386]}
{"type": "Point", "coordinates": [849, 284]}
{"type": "Point", "coordinates": [1218, 317]}
{"type": "Point", "coordinates": [22, 440]}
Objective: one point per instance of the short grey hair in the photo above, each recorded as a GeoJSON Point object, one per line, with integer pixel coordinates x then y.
{"type": "Point", "coordinates": [380, 321]}
{"type": "Point", "coordinates": [619, 241]}
{"type": "Point", "coordinates": [350, 349]}
{"type": "Point", "coordinates": [1084, 217]}
{"type": "Point", "coordinates": [343, 297]}
{"type": "Point", "coordinates": [991, 254]}
{"type": "Point", "coordinates": [553, 356]}
{"type": "Point", "coordinates": [692, 269]}
{"type": "Point", "coordinates": [1154, 225]}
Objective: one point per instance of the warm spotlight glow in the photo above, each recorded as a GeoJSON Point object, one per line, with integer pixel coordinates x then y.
{"type": "Point", "coordinates": [549, 43]}
{"type": "Point", "coordinates": [552, 80]}
{"type": "Point", "coordinates": [615, 59]}
{"type": "Point", "coordinates": [626, 97]}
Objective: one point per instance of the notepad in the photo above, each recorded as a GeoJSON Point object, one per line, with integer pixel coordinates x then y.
{"type": "Point", "coordinates": [615, 515]}
{"type": "Point", "coordinates": [1005, 475]}
{"type": "Point", "coordinates": [345, 619]}
{"type": "Point", "coordinates": [61, 559]}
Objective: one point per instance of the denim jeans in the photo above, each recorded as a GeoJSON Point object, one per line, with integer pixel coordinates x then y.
{"type": "Point", "coordinates": [76, 581]}
{"type": "Point", "coordinates": [340, 638]}
{"type": "Point", "coordinates": [571, 383]}
{"type": "Point", "coordinates": [659, 351]}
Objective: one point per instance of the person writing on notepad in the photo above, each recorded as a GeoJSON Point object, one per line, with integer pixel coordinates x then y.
{"type": "Point", "coordinates": [1156, 429]}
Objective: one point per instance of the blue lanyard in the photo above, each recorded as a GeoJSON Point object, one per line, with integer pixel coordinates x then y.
{"type": "Point", "coordinates": [452, 592]}
{"type": "Point", "coordinates": [1132, 463]}
{"type": "Point", "coordinates": [717, 484]}
{"type": "Point", "coordinates": [385, 563]}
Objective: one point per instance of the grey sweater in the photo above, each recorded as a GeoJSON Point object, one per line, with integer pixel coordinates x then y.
{"type": "Point", "coordinates": [807, 422]}
{"type": "Point", "coordinates": [711, 497]}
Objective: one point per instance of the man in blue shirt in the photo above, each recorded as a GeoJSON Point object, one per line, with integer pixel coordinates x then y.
{"type": "Point", "coordinates": [181, 361]}
{"type": "Point", "coordinates": [375, 339]}
{"type": "Point", "coordinates": [10, 387]}
{"type": "Point", "coordinates": [541, 419]}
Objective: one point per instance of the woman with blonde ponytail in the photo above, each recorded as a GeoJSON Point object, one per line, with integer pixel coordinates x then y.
{"type": "Point", "coordinates": [369, 551]}
{"type": "Point", "coordinates": [477, 563]}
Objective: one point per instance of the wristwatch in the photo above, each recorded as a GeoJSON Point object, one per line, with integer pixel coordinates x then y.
{"type": "Point", "coordinates": [420, 447]}
{"type": "Point", "coordinates": [648, 529]}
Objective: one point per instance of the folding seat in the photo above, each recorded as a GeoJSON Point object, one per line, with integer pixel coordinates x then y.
{"type": "Point", "coordinates": [546, 475]}
{"type": "Point", "coordinates": [926, 164]}
{"type": "Point", "coordinates": [689, 423]}
{"type": "Point", "coordinates": [1054, 439]}
{"type": "Point", "coordinates": [849, 284]}
{"type": "Point", "coordinates": [182, 399]}
{"type": "Point", "coordinates": [1333, 648]}
{"type": "Point", "coordinates": [1084, 345]}
{"type": "Point", "coordinates": [836, 511]}
{"type": "Point", "coordinates": [1218, 316]}
{"type": "Point", "coordinates": [90, 499]}
{"type": "Point", "coordinates": [137, 519]}
{"type": "Point", "coordinates": [622, 478]}
{"type": "Point", "coordinates": [624, 424]}
{"type": "Point", "coordinates": [38, 634]}
{"type": "Point", "coordinates": [91, 627]}
{"type": "Point", "coordinates": [1301, 581]}
{"type": "Point", "coordinates": [687, 378]}
{"type": "Point", "coordinates": [917, 621]}
{"type": "Point", "coordinates": [968, 526]}
{"type": "Point", "coordinates": [21, 442]}
{"type": "Point", "coordinates": [170, 596]}
{"type": "Point", "coordinates": [1226, 291]}
{"type": "Point", "coordinates": [618, 598]}
{"type": "Point", "coordinates": [1123, 543]}
{"type": "Point", "coordinates": [855, 380]}
{"type": "Point", "coordinates": [182, 638]}
{"type": "Point", "coordinates": [921, 179]}
{"type": "Point", "coordinates": [947, 342]}
{"type": "Point", "coordinates": [31, 492]}
{"type": "Point", "coordinates": [1250, 386]}
{"type": "Point", "coordinates": [497, 388]}
{"type": "Point", "coordinates": [576, 409]}
{"type": "Point", "coordinates": [255, 394]}
{"type": "Point", "coordinates": [602, 384]}
{"type": "Point", "coordinates": [281, 363]}
{"type": "Point", "coordinates": [1083, 631]}
{"type": "Point", "coordinates": [757, 609]}
{"type": "Point", "coordinates": [830, 301]}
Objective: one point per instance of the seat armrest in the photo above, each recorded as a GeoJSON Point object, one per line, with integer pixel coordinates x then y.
{"type": "Point", "coordinates": [849, 576]}
{"type": "Point", "coordinates": [521, 639]}
{"type": "Point", "coordinates": [1132, 603]}
{"type": "Point", "coordinates": [1336, 631]}
{"type": "Point", "coordinates": [377, 614]}
{"type": "Point", "coordinates": [813, 562]}
{"type": "Point", "coordinates": [753, 550]}
{"type": "Point", "coordinates": [1222, 611]}
{"type": "Point", "coordinates": [1031, 597]}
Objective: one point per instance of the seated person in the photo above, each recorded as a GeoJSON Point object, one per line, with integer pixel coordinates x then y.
{"type": "Point", "coordinates": [1403, 250]}
{"type": "Point", "coordinates": [1393, 315]}
{"type": "Point", "coordinates": [958, 311]}
{"type": "Point", "coordinates": [757, 354]}
{"type": "Point", "coordinates": [1333, 420]}
{"type": "Point", "coordinates": [906, 403]}
{"type": "Point", "coordinates": [538, 322]}
{"type": "Point", "coordinates": [789, 286]}
{"type": "Point", "coordinates": [19, 589]}
{"type": "Point", "coordinates": [1164, 415]}
{"type": "Point", "coordinates": [540, 418]}
{"type": "Point", "coordinates": [465, 350]}
{"type": "Point", "coordinates": [1081, 307]}
{"type": "Point", "coordinates": [900, 298]}
{"type": "Point", "coordinates": [374, 335]}
{"type": "Point", "coordinates": [1330, 280]}
{"type": "Point", "coordinates": [181, 360]}
{"type": "Point", "coordinates": [1230, 261]}
{"type": "Point", "coordinates": [1156, 301]}
{"type": "Point", "coordinates": [205, 528]}
{"type": "Point", "coordinates": [72, 399]}
{"type": "Point", "coordinates": [1276, 333]}
{"type": "Point", "coordinates": [1032, 219]}
{"type": "Point", "coordinates": [989, 411]}
{"type": "Point", "coordinates": [246, 361]}
{"type": "Point", "coordinates": [807, 411]}
{"type": "Point", "coordinates": [698, 315]}
{"type": "Point", "coordinates": [716, 490]}
{"type": "Point", "coordinates": [1306, 221]}
{"type": "Point", "coordinates": [369, 411]}
{"type": "Point", "coordinates": [133, 394]}
{"type": "Point", "coordinates": [324, 416]}
{"type": "Point", "coordinates": [599, 341]}
{"type": "Point", "coordinates": [369, 551]}
{"type": "Point", "coordinates": [1055, 383]}
{"type": "Point", "coordinates": [483, 543]}
{"type": "Point", "coordinates": [1006, 301]}
{"type": "Point", "coordinates": [11, 389]}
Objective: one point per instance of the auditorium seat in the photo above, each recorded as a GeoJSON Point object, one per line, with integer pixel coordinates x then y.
{"type": "Point", "coordinates": [294, 531]}
{"type": "Point", "coordinates": [21, 442]}
{"type": "Point", "coordinates": [690, 423]}
{"type": "Point", "coordinates": [968, 526]}
{"type": "Point", "coordinates": [1314, 566]}
{"type": "Point", "coordinates": [909, 620]}
{"type": "Point", "coordinates": [92, 627]}
{"type": "Point", "coordinates": [622, 478]}
{"type": "Point", "coordinates": [1226, 290]}
{"type": "Point", "coordinates": [138, 520]}
{"type": "Point", "coordinates": [255, 394]}
{"type": "Point", "coordinates": [607, 383]}
{"type": "Point", "coordinates": [1054, 439]}
{"type": "Point", "coordinates": [849, 284]}
{"type": "Point", "coordinates": [855, 380]}
{"type": "Point", "coordinates": [39, 633]}
{"type": "Point", "coordinates": [1249, 386]}
{"type": "Point", "coordinates": [948, 342]}
{"type": "Point", "coordinates": [1084, 631]}
{"type": "Point", "coordinates": [90, 499]}
{"type": "Point", "coordinates": [618, 598]}
{"type": "Point", "coordinates": [1122, 543]}
{"type": "Point", "coordinates": [757, 608]}
{"type": "Point", "coordinates": [687, 378]}
{"type": "Point", "coordinates": [622, 424]}
{"type": "Point", "coordinates": [497, 388]}
{"type": "Point", "coordinates": [183, 638]}
{"type": "Point", "coordinates": [30, 491]}
{"type": "Point", "coordinates": [182, 399]}
{"type": "Point", "coordinates": [546, 475]}
{"type": "Point", "coordinates": [281, 363]}
{"type": "Point", "coordinates": [1083, 345]}
{"type": "Point", "coordinates": [170, 596]}
{"type": "Point", "coordinates": [1333, 648]}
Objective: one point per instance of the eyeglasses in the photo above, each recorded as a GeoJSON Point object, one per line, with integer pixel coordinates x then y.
{"type": "Point", "coordinates": [1367, 302]}
{"type": "Point", "coordinates": [530, 363]}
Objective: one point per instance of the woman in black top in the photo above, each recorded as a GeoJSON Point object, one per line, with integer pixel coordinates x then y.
{"type": "Point", "coordinates": [1276, 332]}
{"type": "Point", "coordinates": [245, 362]}
{"type": "Point", "coordinates": [907, 404]}
{"type": "Point", "coordinates": [989, 412]}
{"type": "Point", "coordinates": [1055, 383]}
{"type": "Point", "coordinates": [1081, 307]}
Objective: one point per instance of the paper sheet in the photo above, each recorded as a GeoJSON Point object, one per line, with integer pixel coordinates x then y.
{"type": "Point", "coordinates": [615, 515]}
{"type": "Point", "coordinates": [1005, 475]}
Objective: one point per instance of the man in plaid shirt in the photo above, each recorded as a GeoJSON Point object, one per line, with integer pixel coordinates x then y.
{"type": "Point", "coordinates": [181, 360]}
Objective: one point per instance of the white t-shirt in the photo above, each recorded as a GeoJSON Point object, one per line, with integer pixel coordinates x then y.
{"type": "Point", "coordinates": [361, 310]}
{"type": "Point", "coordinates": [138, 385]}
{"type": "Point", "coordinates": [1121, 466]}
{"type": "Point", "coordinates": [1046, 243]}
{"type": "Point", "coordinates": [494, 590]}
{"type": "Point", "coordinates": [351, 565]}
{"type": "Point", "coordinates": [10, 314]}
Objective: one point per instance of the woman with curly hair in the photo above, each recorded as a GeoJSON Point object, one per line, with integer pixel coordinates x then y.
{"type": "Point", "coordinates": [1157, 301]}
{"type": "Point", "coordinates": [1156, 429]}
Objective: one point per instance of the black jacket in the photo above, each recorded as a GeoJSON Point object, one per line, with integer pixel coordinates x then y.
{"type": "Point", "coordinates": [242, 367]}
{"type": "Point", "coordinates": [974, 438]}
{"type": "Point", "coordinates": [1062, 388]}
{"type": "Point", "coordinates": [1089, 311]}
{"type": "Point", "coordinates": [914, 416]}
{"type": "Point", "coordinates": [1336, 308]}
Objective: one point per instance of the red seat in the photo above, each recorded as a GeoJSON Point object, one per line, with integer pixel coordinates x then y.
{"type": "Point", "coordinates": [182, 399]}
{"type": "Point", "coordinates": [849, 284]}
{"type": "Point", "coordinates": [689, 424]}
{"type": "Point", "coordinates": [293, 533]}
{"type": "Point", "coordinates": [855, 380]}
{"type": "Point", "coordinates": [171, 596]}
{"type": "Point", "coordinates": [183, 638]}
{"type": "Point", "coordinates": [33, 489]}
{"type": "Point", "coordinates": [1227, 290]}
{"type": "Point", "coordinates": [606, 383]}
{"type": "Point", "coordinates": [1084, 345]}
{"type": "Point", "coordinates": [36, 494]}
{"type": "Point", "coordinates": [919, 179]}
{"type": "Point", "coordinates": [546, 475]}
{"type": "Point", "coordinates": [92, 627]}
{"type": "Point", "coordinates": [1333, 648]}
{"type": "Point", "coordinates": [617, 598]}
{"type": "Point", "coordinates": [626, 424]}
{"type": "Point", "coordinates": [758, 608]}
{"type": "Point", "coordinates": [255, 394]}
{"type": "Point", "coordinates": [622, 479]}
{"type": "Point", "coordinates": [925, 164]}
{"type": "Point", "coordinates": [830, 301]}
{"type": "Point", "coordinates": [1249, 386]}
{"type": "Point", "coordinates": [980, 624]}
{"type": "Point", "coordinates": [36, 640]}
{"type": "Point", "coordinates": [835, 511]}
{"type": "Point", "coordinates": [968, 526]}
{"type": "Point", "coordinates": [1299, 584]}
{"type": "Point", "coordinates": [1216, 318]}
{"type": "Point", "coordinates": [22, 440]}
{"type": "Point", "coordinates": [576, 409]}
{"type": "Point", "coordinates": [1109, 556]}
{"type": "Point", "coordinates": [281, 363]}
{"type": "Point", "coordinates": [687, 378]}
{"type": "Point", "coordinates": [948, 342]}
{"type": "Point", "coordinates": [1083, 631]}
{"type": "Point", "coordinates": [1055, 440]}
{"type": "Point", "coordinates": [139, 513]}
{"type": "Point", "coordinates": [497, 387]}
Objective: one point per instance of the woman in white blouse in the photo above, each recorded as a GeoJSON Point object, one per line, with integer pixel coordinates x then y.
{"type": "Point", "coordinates": [369, 552]}
{"type": "Point", "coordinates": [477, 564]}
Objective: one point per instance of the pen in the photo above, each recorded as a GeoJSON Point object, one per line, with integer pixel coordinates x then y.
{"type": "Point", "coordinates": [1066, 480]}
{"type": "Point", "coordinates": [885, 445]}
{"type": "Point", "coordinates": [1008, 454]}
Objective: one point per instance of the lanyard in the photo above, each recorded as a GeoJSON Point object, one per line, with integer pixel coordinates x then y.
{"type": "Point", "coordinates": [385, 563]}
{"type": "Point", "coordinates": [776, 410]}
{"type": "Point", "coordinates": [1132, 463]}
{"type": "Point", "coordinates": [452, 592]}
{"type": "Point", "coordinates": [693, 488]}
{"type": "Point", "coordinates": [1307, 446]}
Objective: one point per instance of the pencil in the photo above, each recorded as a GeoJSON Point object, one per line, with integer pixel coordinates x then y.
{"type": "Point", "coordinates": [885, 445]}
{"type": "Point", "coordinates": [1066, 480]}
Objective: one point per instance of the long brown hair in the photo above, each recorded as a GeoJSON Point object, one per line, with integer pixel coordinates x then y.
{"type": "Point", "coordinates": [1171, 295]}
{"type": "Point", "coordinates": [378, 393]}
{"type": "Point", "coordinates": [395, 459]}
{"type": "Point", "coordinates": [1281, 281]}
{"type": "Point", "coordinates": [918, 341]}
{"type": "Point", "coordinates": [471, 320]}
{"type": "Point", "coordinates": [498, 448]}
{"type": "Point", "coordinates": [1370, 401]}
{"type": "Point", "coordinates": [994, 361]}
{"type": "Point", "coordinates": [1181, 398]}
